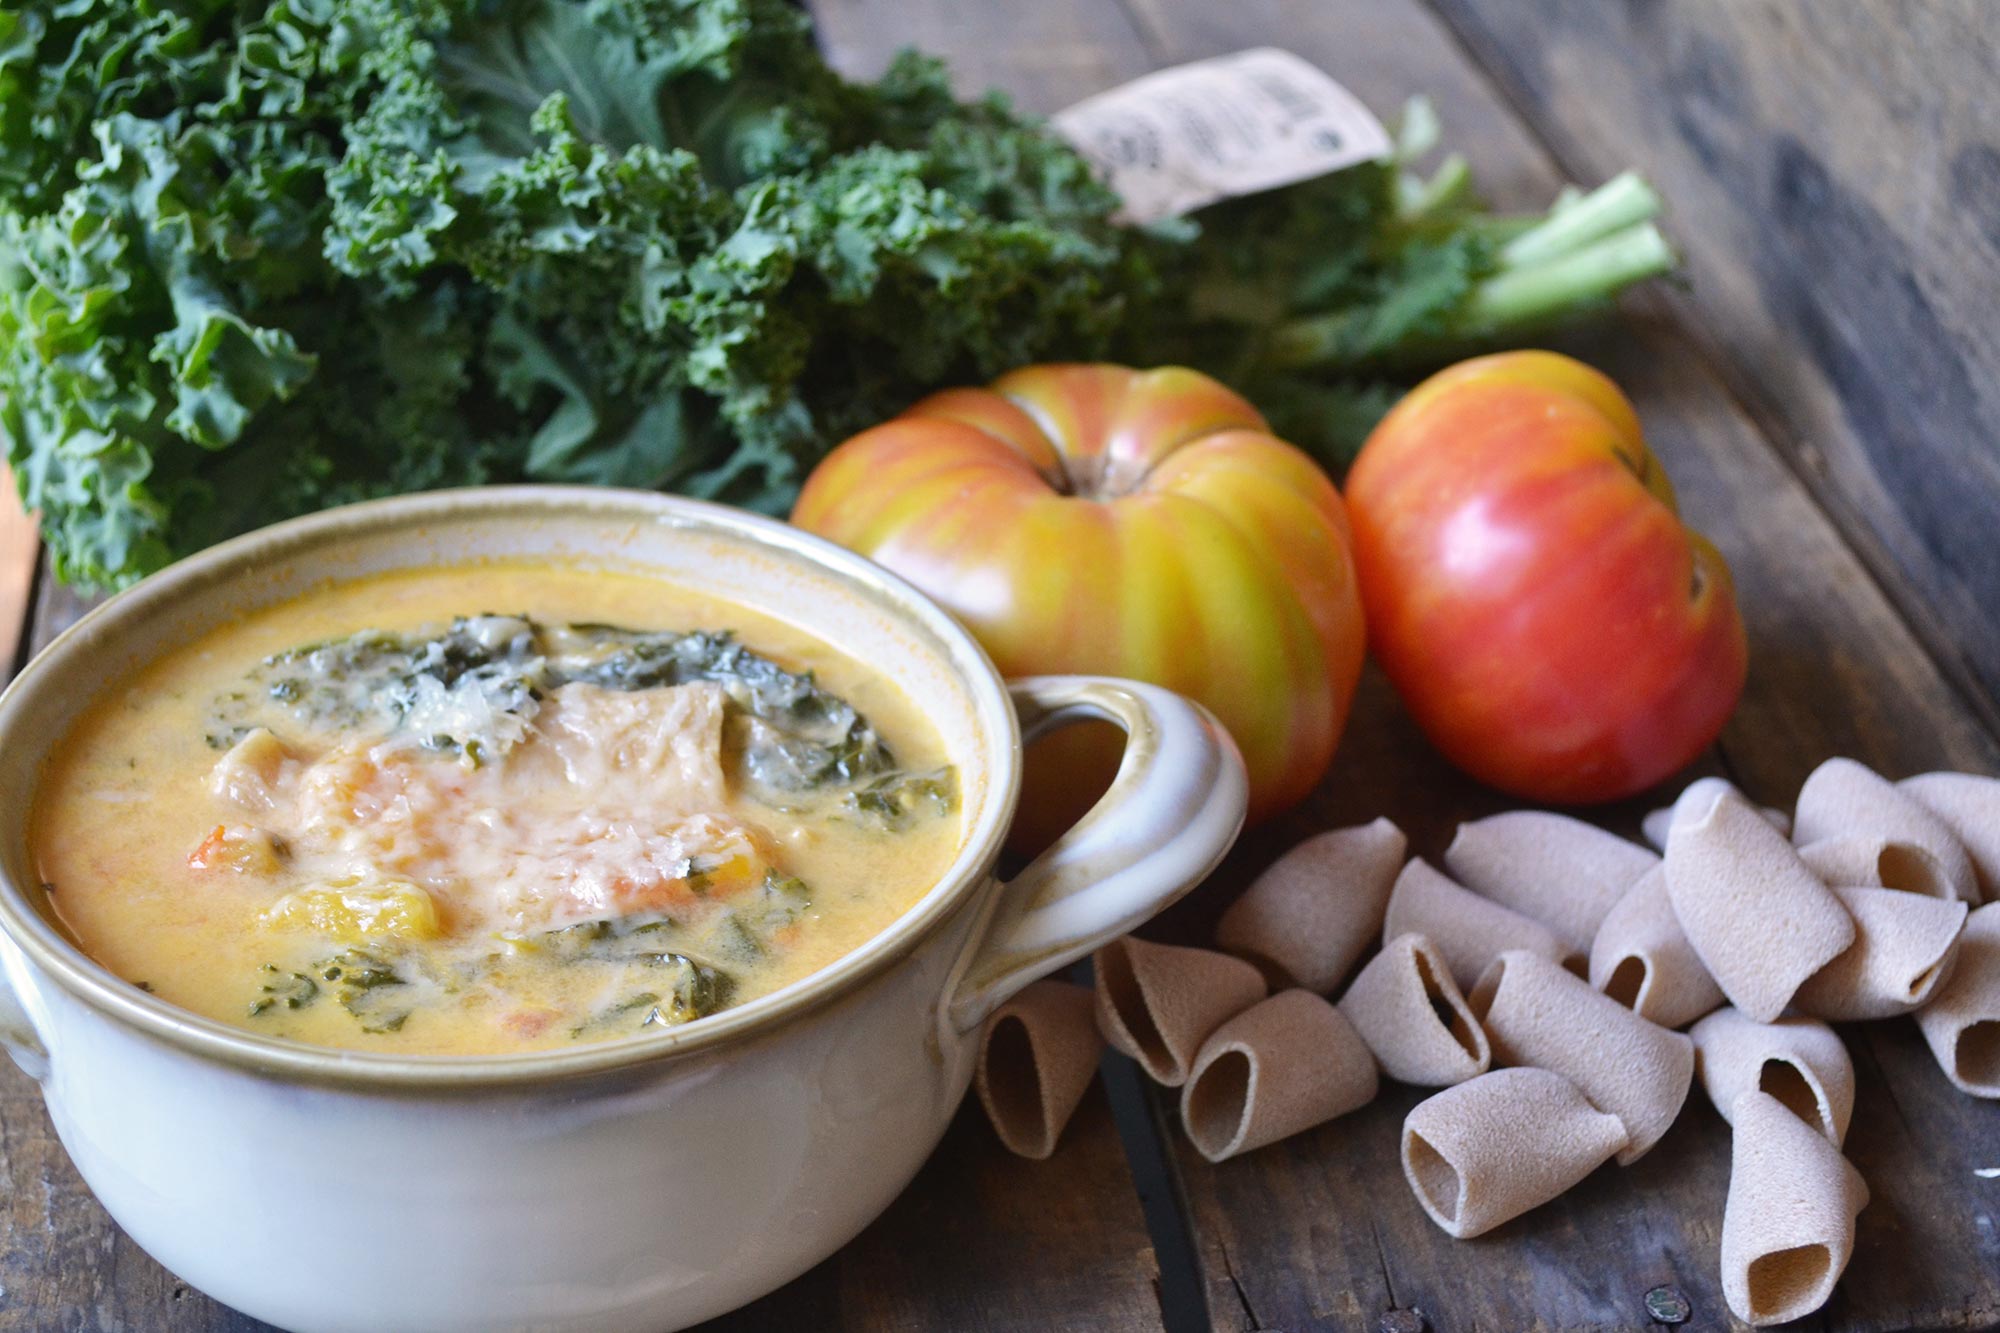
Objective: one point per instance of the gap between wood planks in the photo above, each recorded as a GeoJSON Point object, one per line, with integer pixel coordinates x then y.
{"type": "Point", "coordinates": [1919, 616]}
{"type": "Point", "coordinates": [1142, 1134]}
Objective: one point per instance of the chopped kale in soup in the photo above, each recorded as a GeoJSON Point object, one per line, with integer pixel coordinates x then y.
{"type": "Point", "coordinates": [473, 690]}
{"type": "Point", "coordinates": [419, 829]}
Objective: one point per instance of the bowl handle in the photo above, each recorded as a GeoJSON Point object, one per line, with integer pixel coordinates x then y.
{"type": "Point", "coordinates": [1170, 816]}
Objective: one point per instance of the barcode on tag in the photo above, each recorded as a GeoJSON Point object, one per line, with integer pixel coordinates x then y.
{"type": "Point", "coordinates": [1180, 138]}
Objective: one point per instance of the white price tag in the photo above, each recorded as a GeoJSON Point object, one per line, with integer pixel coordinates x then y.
{"type": "Point", "coordinates": [1183, 137]}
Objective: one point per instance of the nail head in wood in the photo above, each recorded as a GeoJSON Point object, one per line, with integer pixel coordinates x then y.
{"type": "Point", "coordinates": [1668, 1306]}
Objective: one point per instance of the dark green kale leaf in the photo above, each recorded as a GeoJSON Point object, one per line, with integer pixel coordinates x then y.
{"type": "Point", "coordinates": [687, 989]}
{"type": "Point", "coordinates": [472, 689]}
{"type": "Point", "coordinates": [373, 989]}
{"type": "Point", "coordinates": [895, 800]}
{"type": "Point", "coordinates": [258, 257]}
{"type": "Point", "coordinates": [284, 990]}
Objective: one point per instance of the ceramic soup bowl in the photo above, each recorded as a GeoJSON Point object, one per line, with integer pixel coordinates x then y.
{"type": "Point", "coordinates": [643, 1183]}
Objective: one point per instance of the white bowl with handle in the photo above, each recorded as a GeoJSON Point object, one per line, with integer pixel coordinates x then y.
{"type": "Point", "coordinates": [644, 1183]}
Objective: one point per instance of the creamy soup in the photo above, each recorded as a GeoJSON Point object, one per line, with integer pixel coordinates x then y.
{"type": "Point", "coordinates": [490, 808]}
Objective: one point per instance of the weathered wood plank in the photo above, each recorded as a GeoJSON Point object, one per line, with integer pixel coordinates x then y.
{"type": "Point", "coordinates": [1045, 56]}
{"type": "Point", "coordinates": [986, 1240]}
{"type": "Point", "coordinates": [56, 609]}
{"type": "Point", "coordinates": [1834, 178]}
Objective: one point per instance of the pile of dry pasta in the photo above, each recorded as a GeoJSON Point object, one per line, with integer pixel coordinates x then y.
{"type": "Point", "coordinates": [1750, 929]}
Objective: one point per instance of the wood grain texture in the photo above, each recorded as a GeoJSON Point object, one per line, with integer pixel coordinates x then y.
{"type": "Point", "coordinates": [985, 1240]}
{"type": "Point", "coordinates": [1043, 55]}
{"type": "Point", "coordinates": [1833, 173]}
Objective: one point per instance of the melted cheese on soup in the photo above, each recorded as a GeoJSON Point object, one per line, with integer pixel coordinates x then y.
{"type": "Point", "coordinates": [385, 816]}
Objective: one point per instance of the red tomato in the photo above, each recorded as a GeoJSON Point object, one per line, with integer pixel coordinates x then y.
{"type": "Point", "coordinates": [1093, 518]}
{"type": "Point", "coordinates": [1530, 588]}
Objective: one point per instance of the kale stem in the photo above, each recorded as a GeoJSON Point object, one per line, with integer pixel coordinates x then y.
{"type": "Point", "coordinates": [1511, 301]}
{"type": "Point", "coordinates": [1621, 202]}
{"type": "Point", "coordinates": [1448, 185]}
{"type": "Point", "coordinates": [1535, 293]}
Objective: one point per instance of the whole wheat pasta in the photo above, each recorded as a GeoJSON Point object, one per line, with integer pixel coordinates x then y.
{"type": "Point", "coordinates": [1842, 798]}
{"type": "Point", "coordinates": [1904, 947]}
{"type": "Point", "coordinates": [1788, 1228]}
{"type": "Point", "coordinates": [1962, 1021]}
{"type": "Point", "coordinates": [1798, 1060]}
{"type": "Point", "coordinates": [1467, 931]}
{"type": "Point", "coordinates": [1412, 1015]}
{"type": "Point", "coordinates": [1281, 1066]}
{"type": "Point", "coordinates": [1158, 1002]}
{"type": "Point", "coordinates": [1036, 1059]}
{"type": "Point", "coordinates": [1969, 806]}
{"type": "Point", "coordinates": [1560, 871]}
{"type": "Point", "coordinates": [1759, 919]}
{"type": "Point", "coordinates": [1642, 959]}
{"type": "Point", "coordinates": [1490, 1149]}
{"type": "Point", "coordinates": [1308, 918]}
{"type": "Point", "coordinates": [1698, 794]}
{"type": "Point", "coordinates": [1869, 860]}
{"type": "Point", "coordinates": [1536, 1013]}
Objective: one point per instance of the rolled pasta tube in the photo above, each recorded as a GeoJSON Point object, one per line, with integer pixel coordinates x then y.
{"type": "Point", "coordinates": [1036, 1059]}
{"type": "Point", "coordinates": [1869, 860]}
{"type": "Point", "coordinates": [1158, 1002]}
{"type": "Point", "coordinates": [1758, 918]}
{"type": "Point", "coordinates": [1560, 871]}
{"type": "Point", "coordinates": [1467, 931]}
{"type": "Point", "coordinates": [1492, 1148]}
{"type": "Point", "coordinates": [1842, 798]}
{"type": "Point", "coordinates": [1278, 1068]}
{"type": "Point", "coordinates": [1536, 1013]}
{"type": "Point", "coordinates": [1968, 805]}
{"type": "Point", "coordinates": [1788, 1228]}
{"type": "Point", "coordinates": [1642, 959]}
{"type": "Point", "coordinates": [1414, 1018]}
{"type": "Point", "coordinates": [1311, 916]}
{"type": "Point", "coordinates": [1904, 947]}
{"type": "Point", "coordinates": [1962, 1021]}
{"type": "Point", "coordinates": [1698, 794]}
{"type": "Point", "coordinates": [1798, 1060]}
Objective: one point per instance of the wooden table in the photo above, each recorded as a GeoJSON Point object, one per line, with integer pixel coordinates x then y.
{"type": "Point", "coordinates": [1823, 393]}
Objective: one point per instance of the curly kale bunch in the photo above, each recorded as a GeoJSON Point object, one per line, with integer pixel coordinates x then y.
{"type": "Point", "coordinates": [258, 257]}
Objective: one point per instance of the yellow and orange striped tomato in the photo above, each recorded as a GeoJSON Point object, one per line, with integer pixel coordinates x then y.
{"type": "Point", "coordinates": [1141, 523]}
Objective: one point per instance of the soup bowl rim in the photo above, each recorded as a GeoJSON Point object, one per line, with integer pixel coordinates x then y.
{"type": "Point", "coordinates": [203, 574]}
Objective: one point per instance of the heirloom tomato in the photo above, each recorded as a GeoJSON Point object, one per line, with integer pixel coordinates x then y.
{"type": "Point", "coordinates": [1532, 593]}
{"type": "Point", "coordinates": [1142, 523]}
